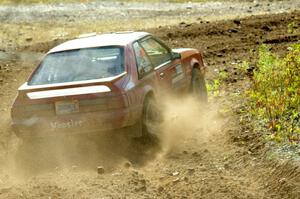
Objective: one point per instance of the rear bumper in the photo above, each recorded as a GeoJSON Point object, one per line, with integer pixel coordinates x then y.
{"type": "Point", "coordinates": [80, 123]}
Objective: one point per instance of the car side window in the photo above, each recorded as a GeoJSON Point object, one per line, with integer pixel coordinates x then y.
{"type": "Point", "coordinates": [144, 65]}
{"type": "Point", "coordinates": [158, 54]}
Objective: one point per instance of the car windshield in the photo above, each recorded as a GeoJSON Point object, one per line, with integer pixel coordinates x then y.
{"type": "Point", "coordinates": [79, 64]}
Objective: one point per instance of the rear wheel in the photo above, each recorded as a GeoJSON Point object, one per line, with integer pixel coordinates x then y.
{"type": "Point", "coordinates": [198, 87]}
{"type": "Point", "coordinates": [151, 120]}
{"type": "Point", "coordinates": [147, 145]}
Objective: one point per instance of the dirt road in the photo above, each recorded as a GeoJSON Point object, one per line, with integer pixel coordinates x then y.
{"type": "Point", "coordinates": [210, 154]}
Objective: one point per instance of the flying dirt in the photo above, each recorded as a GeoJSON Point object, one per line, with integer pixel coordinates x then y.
{"type": "Point", "coordinates": [204, 152]}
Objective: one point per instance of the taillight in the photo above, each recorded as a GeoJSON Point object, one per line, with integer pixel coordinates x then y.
{"type": "Point", "coordinates": [103, 103]}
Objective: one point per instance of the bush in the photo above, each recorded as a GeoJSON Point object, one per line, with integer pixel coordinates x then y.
{"type": "Point", "coordinates": [275, 93]}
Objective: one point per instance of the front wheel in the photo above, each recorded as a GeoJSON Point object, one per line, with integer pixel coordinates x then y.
{"type": "Point", "coordinates": [198, 87]}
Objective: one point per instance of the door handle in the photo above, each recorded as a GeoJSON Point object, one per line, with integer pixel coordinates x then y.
{"type": "Point", "coordinates": [162, 75]}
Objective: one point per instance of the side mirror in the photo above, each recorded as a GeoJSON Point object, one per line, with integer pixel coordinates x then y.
{"type": "Point", "coordinates": [176, 55]}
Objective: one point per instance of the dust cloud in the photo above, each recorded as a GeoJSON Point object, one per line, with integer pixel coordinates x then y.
{"type": "Point", "coordinates": [184, 119]}
{"type": "Point", "coordinates": [69, 153]}
{"type": "Point", "coordinates": [29, 157]}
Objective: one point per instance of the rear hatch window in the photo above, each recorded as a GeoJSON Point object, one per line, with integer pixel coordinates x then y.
{"type": "Point", "coordinates": [79, 65]}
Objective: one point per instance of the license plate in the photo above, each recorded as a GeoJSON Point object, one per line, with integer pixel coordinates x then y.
{"type": "Point", "coordinates": [66, 107]}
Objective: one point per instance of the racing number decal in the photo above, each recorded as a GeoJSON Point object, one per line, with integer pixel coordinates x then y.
{"type": "Point", "coordinates": [178, 75]}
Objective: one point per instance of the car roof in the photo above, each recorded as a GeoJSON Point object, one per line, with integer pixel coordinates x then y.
{"type": "Point", "coordinates": [90, 41]}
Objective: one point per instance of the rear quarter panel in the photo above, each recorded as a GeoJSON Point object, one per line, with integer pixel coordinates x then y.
{"type": "Point", "coordinates": [136, 89]}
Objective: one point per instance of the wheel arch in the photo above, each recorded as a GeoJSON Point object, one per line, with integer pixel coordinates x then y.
{"type": "Point", "coordinates": [195, 64]}
{"type": "Point", "coordinates": [149, 94]}
{"type": "Point", "coordinates": [197, 61]}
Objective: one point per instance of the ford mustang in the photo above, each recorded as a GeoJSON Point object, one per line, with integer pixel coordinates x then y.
{"type": "Point", "coordinates": [104, 83]}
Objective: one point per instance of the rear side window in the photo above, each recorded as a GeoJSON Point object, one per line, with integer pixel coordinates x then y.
{"type": "Point", "coordinates": [158, 54]}
{"type": "Point", "coordinates": [79, 65]}
{"type": "Point", "coordinates": [144, 66]}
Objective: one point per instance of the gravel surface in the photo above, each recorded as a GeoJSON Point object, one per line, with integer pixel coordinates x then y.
{"type": "Point", "coordinates": [106, 10]}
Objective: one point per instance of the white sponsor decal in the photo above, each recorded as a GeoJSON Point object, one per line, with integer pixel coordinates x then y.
{"type": "Point", "coordinates": [178, 69]}
{"type": "Point", "coordinates": [178, 76]}
{"type": "Point", "coordinates": [65, 125]}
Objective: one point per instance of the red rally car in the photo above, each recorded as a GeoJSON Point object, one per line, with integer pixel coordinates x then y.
{"type": "Point", "coordinates": [104, 83]}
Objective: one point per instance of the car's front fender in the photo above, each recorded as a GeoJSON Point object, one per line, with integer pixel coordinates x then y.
{"type": "Point", "coordinates": [191, 56]}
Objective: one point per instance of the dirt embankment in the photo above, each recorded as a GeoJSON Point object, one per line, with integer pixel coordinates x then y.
{"type": "Point", "coordinates": [208, 154]}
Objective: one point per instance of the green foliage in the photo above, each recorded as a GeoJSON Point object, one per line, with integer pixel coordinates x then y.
{"type": "Point", "coordinates": [292, 27]}
{"type": "Point", "coordinates": [223, 75]}
{"type": "Point", "coordinates": [244, 66]}
{"type": "Point", "coordinates": [275, 94]}
{"type": "Point", "coordinates": [213, 87]}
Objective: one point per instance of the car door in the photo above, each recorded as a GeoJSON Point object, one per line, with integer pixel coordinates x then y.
{"type": "Point", "coordinates": [145, 73]}
{"type": "Point", "coordinates": [168, 70]}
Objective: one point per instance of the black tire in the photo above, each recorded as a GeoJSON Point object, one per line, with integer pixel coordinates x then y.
{"type": "Point", "coordinates": [198, 86]}
{"type": "Point", "coordinates": [151, 120]}
{"type": "Point", "coordinates": [144, 148]}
